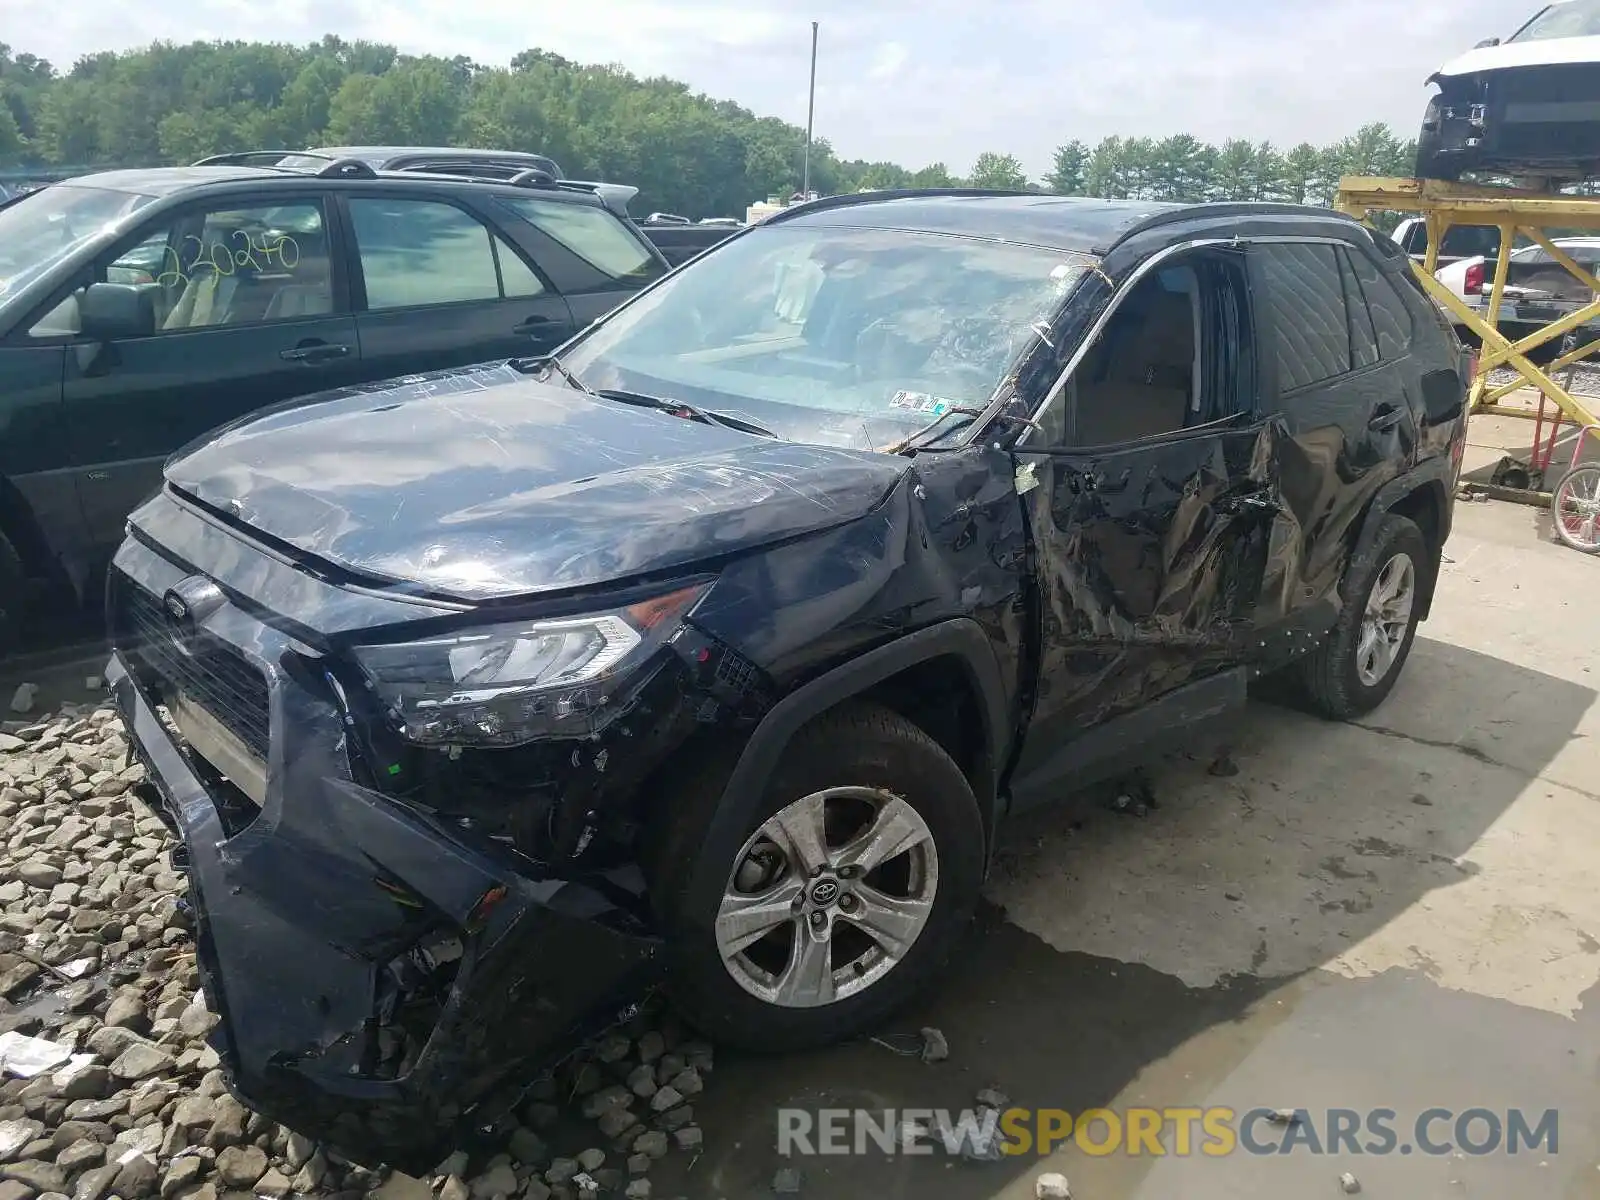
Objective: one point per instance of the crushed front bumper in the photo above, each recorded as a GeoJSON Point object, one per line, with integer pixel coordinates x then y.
{"type": "Point", "coordinates": [319, 924]}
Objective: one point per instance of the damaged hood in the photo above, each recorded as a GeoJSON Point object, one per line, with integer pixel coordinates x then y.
{"type": "Point", "coordinates": [1535, 53]}
{"type": "Point", "coordinates": [486, 483]}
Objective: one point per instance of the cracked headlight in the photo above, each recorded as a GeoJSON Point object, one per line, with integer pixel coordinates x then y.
{"type": "Point", "coordinates": [502, 685]}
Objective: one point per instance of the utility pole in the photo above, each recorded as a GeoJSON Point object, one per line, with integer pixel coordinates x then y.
{"type": "Point", "coordinates": [811, 112]}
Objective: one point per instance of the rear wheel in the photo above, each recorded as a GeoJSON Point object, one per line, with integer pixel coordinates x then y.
{"type": "Point", "coordinates": [1575, 507]}
{"type": "Point", "coordinates": [858, 873]}
{"type": "Point", "coordinates": [1358, 662]}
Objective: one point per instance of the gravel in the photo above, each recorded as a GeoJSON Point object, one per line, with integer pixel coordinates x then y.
{"type": "Point", "coordinates": [88, 893]}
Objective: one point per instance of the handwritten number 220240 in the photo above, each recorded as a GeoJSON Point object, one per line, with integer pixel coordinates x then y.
{"type": "Point", "coordinates": [277, 252]}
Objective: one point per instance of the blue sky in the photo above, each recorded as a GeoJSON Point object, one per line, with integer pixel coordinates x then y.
{"type": "Point", "coordinates": [913, 81]}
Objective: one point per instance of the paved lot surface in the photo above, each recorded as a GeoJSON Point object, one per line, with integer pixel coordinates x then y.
{"type": "Point", "coordinates": [1397, 914]}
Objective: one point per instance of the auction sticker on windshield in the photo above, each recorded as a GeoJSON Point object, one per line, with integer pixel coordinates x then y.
{"type": "Point", "coordinates": [919, 402]}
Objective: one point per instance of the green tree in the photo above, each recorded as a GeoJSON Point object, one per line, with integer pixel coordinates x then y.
{"type": "Point", "coordinates": [998, 171]}
{"type": "Point", "coordinates": [1104, 176]}
{"type": "Point", "coordinates": [1068, 169]}
{"type": "Point", "coordinates": [1302, 175]}
{"type": "Point", "coordinates": [935, 175]}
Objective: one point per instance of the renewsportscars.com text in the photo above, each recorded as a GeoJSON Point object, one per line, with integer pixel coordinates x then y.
{"type": "Point", "coordinates": [1158, 1132]}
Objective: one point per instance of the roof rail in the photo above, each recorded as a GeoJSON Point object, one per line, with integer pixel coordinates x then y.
{"type": "Point", "coordinates": [347, 168]}
{"type": "Point", "coordinates": [533, 177]}
{"type": "Point", "coordinates": [243, 158]}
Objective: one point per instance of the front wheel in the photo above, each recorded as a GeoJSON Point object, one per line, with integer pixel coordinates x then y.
{"type": "Point", "coordinates": [1358, 662]}
{"type": "Point", "coordinates": [1575, 506]}
{"type": "Point", "coordinates": [859, 872]}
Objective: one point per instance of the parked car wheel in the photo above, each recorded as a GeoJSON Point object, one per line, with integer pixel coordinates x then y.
{"type": "Point", "coordinates": [860, 870]}
{"type": "Point", "coordinates": [13, 594]}
{"type": "Point", "coordinates": [1363, 654]}
{"type": "Point", "coordinates": [1575, 507]}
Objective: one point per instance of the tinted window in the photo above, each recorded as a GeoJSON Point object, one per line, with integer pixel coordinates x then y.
{"type": "Point", "coordinates": [1306, 312]}
{"type": "Point", "coordinates": [593, 234]}
{"type": "Point", "coordinates": [1391, 319]}
{"type": "Point", "coordinates": [1363, 342]}
{"type": "Point", "coordinates": [419, 252]}
{"type": "Point", "coordinates": [234, 266]}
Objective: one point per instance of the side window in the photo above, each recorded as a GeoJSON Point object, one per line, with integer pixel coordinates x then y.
{"type": "Point", "coordinates": [1363, 342]}
{"type": "Point", "coordinates": [230, 266]}
{"type": "Point", "coordinates": [593, 234]}
{"type": "Point", "coordinates": [1391, 319]}
{"type": "Point", "coordinates": [422, 252]}
{"type": "Point", "coordinates": [1306, 312]}
{"type": "Point", "coordinates": [1142, 376]}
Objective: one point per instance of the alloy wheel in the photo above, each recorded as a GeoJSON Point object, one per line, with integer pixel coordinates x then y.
{"type": "Point", "coordinates": [1386, 620]}
{"type": "Point", "coordinates": [827, 897]}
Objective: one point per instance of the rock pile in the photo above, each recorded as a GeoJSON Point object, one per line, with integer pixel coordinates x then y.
{"type": "Point", "coordinates": [110, 1088]}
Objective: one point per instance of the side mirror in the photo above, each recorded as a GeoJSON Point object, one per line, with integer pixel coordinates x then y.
{"type": "Point", "coordinates": [1486, 43]}
{"type": "Point", "coordinates": [110, 312]}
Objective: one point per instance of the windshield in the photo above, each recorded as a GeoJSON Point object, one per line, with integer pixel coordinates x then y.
{"type": "Point", "coordinates": [1577, 18]}
{"type": "Point", "coordinates": [39, 230]}
{"type": "Point", "coordinates": [845, 336]}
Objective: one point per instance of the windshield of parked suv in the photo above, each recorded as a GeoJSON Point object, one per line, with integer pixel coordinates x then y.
{"type": "Point", "coordinates": [39, 230]}
{"type": "Point", "coordinates": [1577, 18]}
{"type": "Point", "coordinates": [846, 336]}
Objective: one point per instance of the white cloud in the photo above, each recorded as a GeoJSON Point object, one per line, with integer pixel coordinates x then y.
{"type": "Point", "coordinates": [912, 81]}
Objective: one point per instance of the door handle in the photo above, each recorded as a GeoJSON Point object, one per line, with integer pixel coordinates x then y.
{"type": "Point", "coordinates": [1384, 417]}
{"type": "Point", "coordinates": [310, 355]}
{"type": "Point", "coordinates": [533, 325]}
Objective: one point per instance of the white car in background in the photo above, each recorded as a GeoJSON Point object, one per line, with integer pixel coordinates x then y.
{"type": "Point", "coordinates": [1538, 289]}
{"type": "Point", "coordinates": [1528, 107]}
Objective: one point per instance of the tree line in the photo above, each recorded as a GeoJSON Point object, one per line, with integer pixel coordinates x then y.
{"type": "Point", "coordinates": [685, 151]}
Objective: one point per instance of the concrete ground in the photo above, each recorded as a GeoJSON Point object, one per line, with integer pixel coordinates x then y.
{"type": "Point", "coordinates": [1399, 913]}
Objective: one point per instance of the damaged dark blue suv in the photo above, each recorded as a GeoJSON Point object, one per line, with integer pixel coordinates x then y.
{"type": "Point", "coordinates": [715, 648]}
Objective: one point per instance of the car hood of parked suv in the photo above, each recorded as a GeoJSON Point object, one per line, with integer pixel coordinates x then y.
{"type": "Point", "coordinates": [487, 483]}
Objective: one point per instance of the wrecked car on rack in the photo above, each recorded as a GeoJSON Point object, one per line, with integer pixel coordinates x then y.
{"type": "Point", "coordinates": [714, 648]}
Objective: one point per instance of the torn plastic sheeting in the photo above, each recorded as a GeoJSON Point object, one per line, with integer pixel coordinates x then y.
{"type": "Point", "coordinates": [30, 1056]}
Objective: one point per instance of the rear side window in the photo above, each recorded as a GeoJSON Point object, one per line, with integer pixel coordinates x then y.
{"type": "Point", "coordinates": [1391, 319]}
{"type": "Point", "coordinates": [1306, 312]}
{"type": "Point", "coordinates": [422, 252]}
{"type": "Point", "coordinates": [1363, 342]}
{"type": "Point", "coordinates": [593, 234]}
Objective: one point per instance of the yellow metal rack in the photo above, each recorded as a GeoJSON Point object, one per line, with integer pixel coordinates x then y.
{"type": "Point", "coordinates": [1513, 211]}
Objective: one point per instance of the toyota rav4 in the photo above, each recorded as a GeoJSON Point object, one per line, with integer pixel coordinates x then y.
{"type": "Point", "coordinates": [716, 647]}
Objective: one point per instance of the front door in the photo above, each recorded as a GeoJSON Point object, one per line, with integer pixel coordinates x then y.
{"type": "Point", "coordinates": [438, 288]}
{"type": "Point", "coordinates": [249, 312]}
{"type": "Point", "coordinates": [1151, 502]}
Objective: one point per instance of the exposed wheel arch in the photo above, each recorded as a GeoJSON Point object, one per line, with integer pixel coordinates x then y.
{"type": "Point", "coordinates": [871, 675]}
{"type": "Point", "coordinates": [1422, 497]}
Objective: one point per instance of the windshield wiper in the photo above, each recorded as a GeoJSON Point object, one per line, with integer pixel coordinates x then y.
{"type": "Point", "coordinates": [706, 416]}
{"type": "Point", "coordinates": [551, 363]}
{"type": "Point", "coordinates": [909, 442]}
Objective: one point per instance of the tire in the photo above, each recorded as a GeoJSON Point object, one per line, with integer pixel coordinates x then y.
{"type": "Point", "coordinates": [1579, 490]}
{"type": "Point", "coordinates": [1335, 677]}
{"type": "Point", "coordinates": [889, 760]}
{"type": "Point", "coordinates": [13, 596]}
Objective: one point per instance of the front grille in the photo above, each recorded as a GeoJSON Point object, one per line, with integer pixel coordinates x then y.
{"type": "Point", "coordinates": [213, 675]}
